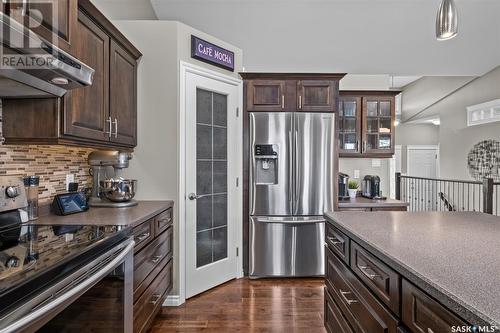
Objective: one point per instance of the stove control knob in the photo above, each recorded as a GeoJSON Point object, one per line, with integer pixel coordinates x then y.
{"type": "Point", "coordinates": [11, 191]}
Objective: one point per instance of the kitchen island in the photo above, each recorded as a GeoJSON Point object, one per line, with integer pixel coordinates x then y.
{"type": "Point", "coordinates": [416, 272]}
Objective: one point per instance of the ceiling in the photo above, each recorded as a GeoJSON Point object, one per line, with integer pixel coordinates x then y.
{"type": "Point", "coordinates": [126, 9]}
{"type": "Point", "coordinates": [394, 37]}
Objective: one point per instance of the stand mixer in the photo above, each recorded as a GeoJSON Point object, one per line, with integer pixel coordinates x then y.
{"type": "Point", "coordinates": [109, 188]}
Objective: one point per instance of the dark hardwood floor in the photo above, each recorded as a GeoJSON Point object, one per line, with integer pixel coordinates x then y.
{"type": "Point", "coordinates": [270, 305]}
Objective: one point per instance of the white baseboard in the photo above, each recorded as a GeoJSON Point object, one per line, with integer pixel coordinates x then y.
{"type": "Point", "coordinates": [172, 300]}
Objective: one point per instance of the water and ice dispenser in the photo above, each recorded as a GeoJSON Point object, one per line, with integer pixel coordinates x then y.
{"type": "Point", "coordinates": [266, 163]}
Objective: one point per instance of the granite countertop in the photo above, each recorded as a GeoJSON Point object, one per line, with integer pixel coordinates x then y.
{"type": "Point", "coordinates": [453, 256]}
{"type": "Point", "coordinates": [361, 202]}
{"type": "Point", "coordinates": [130, 216]}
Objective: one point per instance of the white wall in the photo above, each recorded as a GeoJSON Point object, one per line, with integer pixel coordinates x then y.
{"type": "Point", "coordinates": [415, 134]}
{"type": "Point", "coordinates": [455, 138]}
{"type": "Point", "coordinates": [348, 165]}
{"type": "Point", "coordinates": [156, 159]}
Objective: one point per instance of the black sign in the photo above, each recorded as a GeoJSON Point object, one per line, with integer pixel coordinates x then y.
{"type": "Point", "coordinates": [211, 53]}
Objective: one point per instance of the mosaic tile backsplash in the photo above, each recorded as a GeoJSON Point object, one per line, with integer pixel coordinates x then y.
{"type": "Point", "coordinates": [51, 163]}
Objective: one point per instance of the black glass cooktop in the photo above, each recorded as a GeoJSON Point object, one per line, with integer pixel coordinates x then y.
{"type": "Point", "coordinates": [31, 256]}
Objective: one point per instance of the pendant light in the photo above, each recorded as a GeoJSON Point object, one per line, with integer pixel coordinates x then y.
{"type": "Point", "coordinates": [447, 20]}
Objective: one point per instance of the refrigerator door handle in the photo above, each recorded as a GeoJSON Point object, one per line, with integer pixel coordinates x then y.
{"type": "Point", "coordinates": [290, 170]}
{"type": "Point", "coordinates": [291, 222]}
{"type": "Point", "coordinates": [297, 170]}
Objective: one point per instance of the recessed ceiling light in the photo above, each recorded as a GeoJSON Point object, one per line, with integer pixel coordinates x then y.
{"type": "Point", "coordinates": [447, 20]}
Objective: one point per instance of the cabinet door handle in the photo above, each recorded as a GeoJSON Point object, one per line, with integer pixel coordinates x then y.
{"type": "Point", "coordinates": [347, 300]}
{"type": "Point", "coordinates": [365, 269]}
{"type": "Point", "coordinates": [358, 145]}
{"type": "Point", "coordinates": [116, 128]}
{"type": "Point", "coordinates": [300, 102]}
{"type": "Point", "coordinates": [282, 101]}
{"type": "Point", "coordinates": [24, 10]}
{"type": "Point", "coordinates": [157, 259]}
{"type": "Point", "coordinates": [143, 236]}
{"type": "Point", "coordinates": [334, 240]}
{"type": "Point", "coordinates": [364, 146]}
{"type": "Point", "coordinates": [110, 126]}
{"type": "Point", "coordinates": [155, 298]}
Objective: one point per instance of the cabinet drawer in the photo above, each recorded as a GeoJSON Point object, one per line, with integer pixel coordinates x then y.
{"type": "Point", "coordinates": [337, 242]}
{"type": "Point", "coordinates": [148, 305]}
{"type": "Point", "coordinates": [334, 320]}
{"type": "Point", "coordinates": [361, 309]}
{"type": "Point", "coordinates": [163, 221]}
{"type": "Point", "coordinates": [146, 260]}
{"type": "Point", "coordinates": [379, 278]}
{"type": "Point", "coordinates": [422, 314]}
{"type": "Point", "coordinates": [143, 234]}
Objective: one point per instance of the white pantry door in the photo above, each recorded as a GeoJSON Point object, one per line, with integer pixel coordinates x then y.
{"type": "Point", "coordinates": [211, 192]}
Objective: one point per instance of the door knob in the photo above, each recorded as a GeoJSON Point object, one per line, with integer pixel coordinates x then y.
{"type": "Point", "coordinates": [194, 196]}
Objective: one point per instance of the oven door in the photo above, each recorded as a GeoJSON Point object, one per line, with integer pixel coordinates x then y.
{"type": "Point", "coordinates": [95, 298]}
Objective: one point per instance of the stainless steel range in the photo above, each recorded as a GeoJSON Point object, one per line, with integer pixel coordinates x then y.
{"type": "Point", "coordinates": [292, 184]}
{"type": "Point", "coordinates": [61, 278]}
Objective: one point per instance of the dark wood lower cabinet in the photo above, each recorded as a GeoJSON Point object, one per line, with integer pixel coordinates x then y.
{"type": "Point", "coordinates": [334, 319]}
{"type": "Point", "coordinates": [364, 295]}
{"type": "Point", "coordinates": [422, 314]}
{"type": "Point", "coordinates": [361, 308]}
{"type": "Point", "coordinates": [153, 268]}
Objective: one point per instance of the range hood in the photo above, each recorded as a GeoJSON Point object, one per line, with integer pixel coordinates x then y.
{"type": "Point", "coordinates": [31, 67]}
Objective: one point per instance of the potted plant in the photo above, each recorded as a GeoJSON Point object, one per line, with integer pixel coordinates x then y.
{"type": "Point", "coordinates": [353, 189]}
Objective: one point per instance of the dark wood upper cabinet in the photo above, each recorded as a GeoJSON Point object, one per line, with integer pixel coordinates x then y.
{"type": "Point", "coordinates": [101, 115]}
{"type": "Point", "coordinates": [123, 95]}
{"type": "Point", "coordinates": [54, 20]}
{"type": "Point", "coordinates": [366, 123]}
{"type": "Point", "coordinates": [270, 92]}
{"type": "Point", "coordinates": [349, 120]}
{"type": "Point", "coordinates": [316, 95]}
{"type": "Point", "coordinates": [266, 95]}
{"type": "Point", "coordinates": [87, 109]}
{"type": "Point", "coordinates": [379, 113]}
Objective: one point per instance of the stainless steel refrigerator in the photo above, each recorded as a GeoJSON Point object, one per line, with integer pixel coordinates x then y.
{"type": "Point", "coordinates": [291, 185]}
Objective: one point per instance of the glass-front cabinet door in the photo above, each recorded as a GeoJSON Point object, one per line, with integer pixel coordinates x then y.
{"type": "Point", "coordinates": [378, 125]}
{"type": "Point", "coordinates": [349, 125]}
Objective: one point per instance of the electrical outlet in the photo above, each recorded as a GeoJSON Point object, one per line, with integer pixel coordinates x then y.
{"type": "Point", "coordinates": [356, 174]}
{"type": "Point", "coordinates": [70, 178]}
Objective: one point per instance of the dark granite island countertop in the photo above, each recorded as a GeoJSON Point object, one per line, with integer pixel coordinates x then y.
{"type": "Point", "coordinates": [453, 256]}
{"type": "Point", "coordinates": [130, 216]}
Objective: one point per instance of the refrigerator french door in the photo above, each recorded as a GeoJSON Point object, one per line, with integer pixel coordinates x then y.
{"type": "Point", "coordinates": [291, 186]}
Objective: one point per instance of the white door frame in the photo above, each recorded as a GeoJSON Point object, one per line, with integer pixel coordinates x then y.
{"type": "Point", "coordinates": [422, 147]}
{"type": "Point", "coordinates": [186, 68]}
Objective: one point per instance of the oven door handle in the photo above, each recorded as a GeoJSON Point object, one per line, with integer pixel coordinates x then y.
{"type": "Point", "coordinates": [80, 288]}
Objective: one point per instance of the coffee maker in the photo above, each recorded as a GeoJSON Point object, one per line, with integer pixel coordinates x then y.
{"type": "Point", "coordinates": [109, 189]}
{"type": "Point", "coordinates": [371, 187]}
{"type": "Point", "coordinates": [343, 186]}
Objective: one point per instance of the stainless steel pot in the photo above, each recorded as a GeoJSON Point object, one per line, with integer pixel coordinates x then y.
{"type": "Point", "coordinates": [119, 190]}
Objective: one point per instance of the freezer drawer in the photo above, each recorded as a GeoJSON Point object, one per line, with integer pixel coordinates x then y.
{"type": "Point", "coordinates": [286, 246]}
